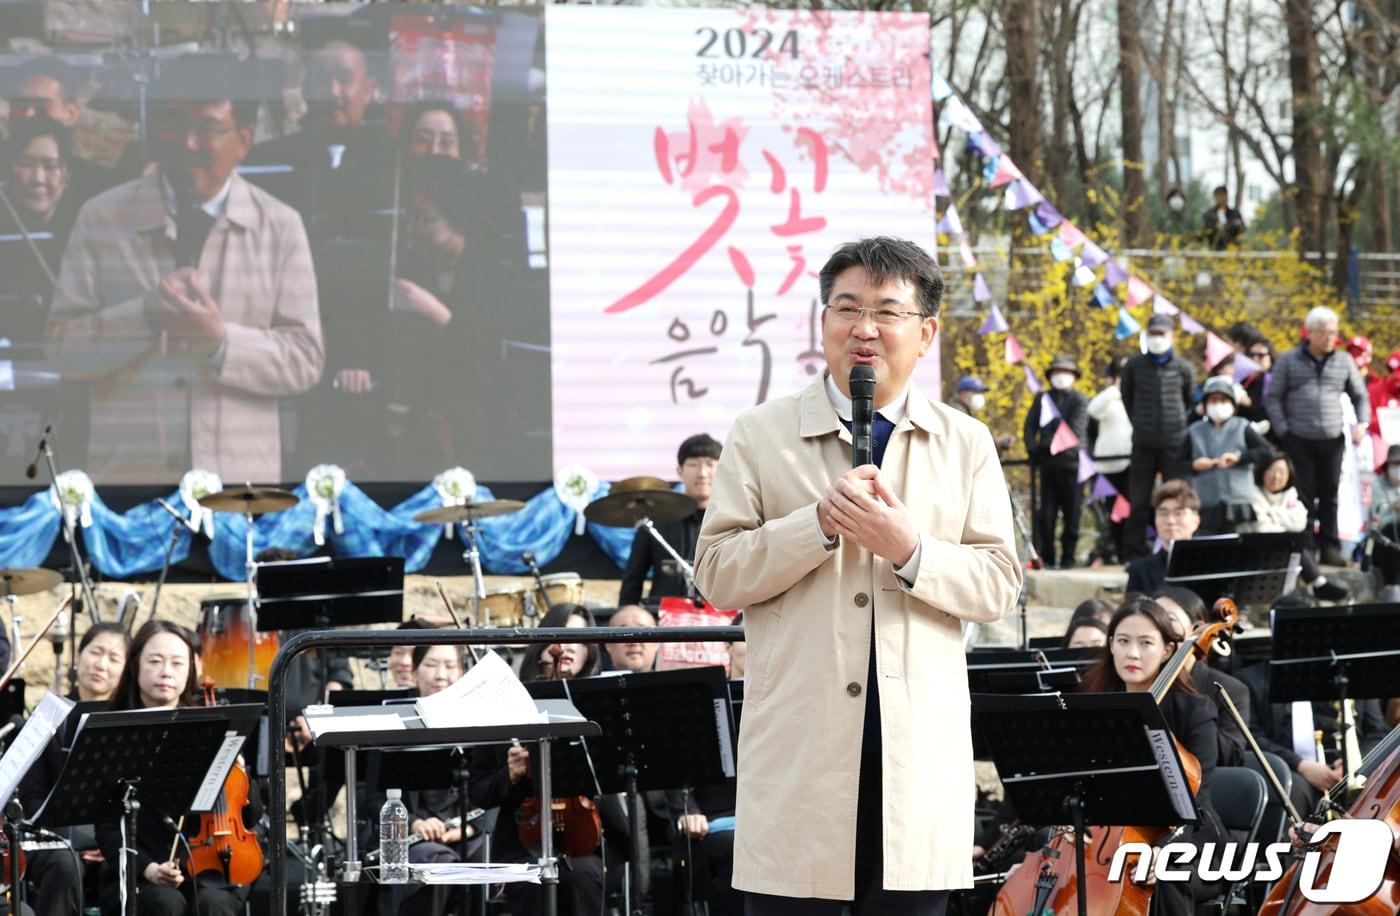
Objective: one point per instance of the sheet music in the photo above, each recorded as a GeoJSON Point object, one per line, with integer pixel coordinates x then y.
{"type": "Point", "coordinates": [726, 749]}
{"type": "Point", "coordinates": [488, 694]}
{"type": "Point", "coordinates": [1177, 787]}
{"type": "Point", "coordinates": [217, 774]}
{"type": "Point", "coordinates": [375, 722]}
{"type": "Point", "coordinates": [40, 728]}
{"type": "Point", "coordinates": [476, 872]}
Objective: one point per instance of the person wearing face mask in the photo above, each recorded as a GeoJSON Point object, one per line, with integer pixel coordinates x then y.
{"type": "Point", "coordinates": [1385, 524]}
{"type": "Point", "coordinates": [1060, 491]}
{"type": "Point", "coordinates": [970, 397]}
{"type": "Point", "coordinates": [1221, 451]}
{"type": "Point", "coordinates": [1111, 433]}
{"type": "Point", "coordinates": [1157, 388]}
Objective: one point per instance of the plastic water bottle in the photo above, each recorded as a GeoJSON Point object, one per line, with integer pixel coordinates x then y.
{"type": "Point", "coordinates": [393, 840]}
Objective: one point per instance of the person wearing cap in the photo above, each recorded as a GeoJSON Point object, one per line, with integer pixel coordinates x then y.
{"type": "Point", "coordinates": [1157, 389]}
{"type": "Point", "coordinates": [1111, 433]}
{"type": "Point", "coordinates": [1305, 411]}
{"type": "Point", "coordinates": [970, 397]}
{"type": "Point", "coordinates": [1222, 451]}
{"type": "Point", "coordinates": [187, 297]}
{"type": "Point", "coordinates": [1060, 493]}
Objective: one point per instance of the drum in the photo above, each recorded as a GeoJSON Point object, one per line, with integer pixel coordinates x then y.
{"type": "Point", "coordinates": [225, 626]}
{"type": "Point", "coordinates": [562, 588]}
{"type": "Point", "coordinates": [505, 604]}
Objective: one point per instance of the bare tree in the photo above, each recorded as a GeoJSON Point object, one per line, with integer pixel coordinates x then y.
{"type": "Point", "coordinates": [1134, 215]}
{"type": "Point", "coordinates": [1304, 74]}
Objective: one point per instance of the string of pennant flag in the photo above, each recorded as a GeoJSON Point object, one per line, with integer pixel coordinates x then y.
{"type": "Point", "coordinates": [1093, 266]}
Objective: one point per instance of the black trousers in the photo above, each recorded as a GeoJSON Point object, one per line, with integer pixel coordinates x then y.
{"type": "Point", "coordinates": [1060, 495]}
{"type": "Point", "coordinates": [580, 890]}
{"type": "Point", "coordinates": [54, 880]}
{"type": "Point", "coordinates": [1318, 466]}
{"type": "Point", "coordinates": [1142, 479]}
{"type": "Point", "coordinates": [214, 900]}
{"type": "Point", "coordinates": [871, 897]}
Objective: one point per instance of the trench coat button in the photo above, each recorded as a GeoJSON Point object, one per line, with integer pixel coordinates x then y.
{"type": "Point", "coordinates": [862, 599]}
{"type": "Point", "coordinates": [853, 689]}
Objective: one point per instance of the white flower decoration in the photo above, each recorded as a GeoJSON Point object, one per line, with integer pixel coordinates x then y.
{"type": "Point", "coordinates": [194, 486]}
{"type": "Point", "coordinates": [576, 486]}
{"type": "Point", "coordinates": [324, 484]}
{"type": "Point", "coordinates": [71, 493]}
{"type": "Point", "coordinates": [455, 487]}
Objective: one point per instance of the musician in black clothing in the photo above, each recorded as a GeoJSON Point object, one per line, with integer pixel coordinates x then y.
{"type": "Point", "coordinates": [1177, 512]}
{"type": "Point", "coordinates": [705, 840]}
{"type": "Point", "coordinates": [695, 466]}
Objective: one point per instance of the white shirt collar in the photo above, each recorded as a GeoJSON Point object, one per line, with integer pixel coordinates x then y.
{"type": "Point", "coordinates": [336, 152]}
{"type": "Point", "coordinates": [893, 411]}
{"type": "Point", "coordinates": [214, 206]}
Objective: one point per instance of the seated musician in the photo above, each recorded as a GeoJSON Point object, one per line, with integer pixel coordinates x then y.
{"type": "Point", "coordinates": [502, 778]}
{"type": "Point", "coordinates": [1141, 639]}
{"type": "Point", "coordinates": [1188, 613]}
{"type": "Point", "coordinates": [696, 461]}
{"type": "Point", "coordinates": [54, 878]}
{"type": "Point", "coordinates": [401, 657]}
{"type": "Point", "coordinates": [624, 657]}
{"type": "Point", "coordinates": [1177, 514]}
{"type": "Point", "coordinates": [159, 673]}
{"type": "Point", "coordinates": [1086, 633]}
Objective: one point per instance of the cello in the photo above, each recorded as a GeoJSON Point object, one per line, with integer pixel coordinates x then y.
{"type": "Point", "coordinates": [224, 844]}
{"type": "Point", "coordinates": [1046, 884]}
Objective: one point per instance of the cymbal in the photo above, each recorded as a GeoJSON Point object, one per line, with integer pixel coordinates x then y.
{"type": "Point", "coordinates": [625, 509]}
{"type": "Point", "coordinates": [486, 508]}
{"type": "Point", "coordinates": [249, 500]}
{"type": "Point", "coordinates": [633, 484]}
{"type": "Point", "coordinates": [28, 581]}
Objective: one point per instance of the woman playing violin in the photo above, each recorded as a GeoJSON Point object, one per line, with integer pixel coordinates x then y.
{"type": "Point", "coordinates": [504, 778]}
{"type": "Point", "coordinates": [159, 673]}
{"type": "Point", "coordinates": [1141, 638]}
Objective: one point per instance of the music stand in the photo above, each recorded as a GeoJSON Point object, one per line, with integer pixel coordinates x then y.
{"type": "Point", "coordinates": [318, 591]}
{"type": "Point", "coordinates": [176, 760]}
{"type": "Point", "coordinates": [1026, 670]}
{"type": "Point", "coordinates": [1361, 661]}
{"type": "Point", "coordinates": [1251, 569]}
{"type": "Point", "coordinates": [1106, 759]}
{"type": "Point", "coordinates": [661, 730]}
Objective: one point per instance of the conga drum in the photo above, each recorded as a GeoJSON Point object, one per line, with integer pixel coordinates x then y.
{"type": "Point", "coordinates": [225, 627]}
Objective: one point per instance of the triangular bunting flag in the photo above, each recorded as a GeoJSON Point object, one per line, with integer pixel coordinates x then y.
{"type": "Point", "coordinates": [1071, 236]}
{"type": "Point", "coordinates": [1037, 227]}
{"type": "Point", "coordinates": [1049, 413]}
{"type": "Point", "coordinates": [941, 89]}
{"type": "Point", "coordinates": [1190, 325]}
{"type": "Point", "coordinates": [1103, 296]}
{"type": "Point", "coordinates": [980, 292]}
{"type": "Point", "coordinates": [959, 115]}
{"type": "Point", "coordinates": [1121, 509]}
{"type": "Point", "coordinates": [1114, 274]}
{"type": "Point", "coordinates": [1064, 440]}
{"type": "Point", "coordinates": [1086, 466]}
{"type": "Point", "coordinates": [969, 261]}
{"type": "Point", "coordinates": [1161, 305]}
{"type": "Point", "coordinates": [1245, 367]}
{"type": "Point", "coordinates": [1127, 325]}
{"type": "Point", "coordinates": [1138, 291]}
{"type": "Point", "coordinates": [1093, 255]}
{"type": "Point", "coordinates": [951, 223]}
{"type": "Point", "coordinates": [989, 167]}
{"type": "Point", "coordinates": [984, 144]}
{"type": "Point", "coordinates": [1084, 275]}
{"type": "Point", "coordinates": [940, 184]}
{"type": "Point", "coordinates": [1032, 382]}
{"type": "Point", "coordinates": [1014, 353]}
{"type": "Point", "coordinates": [1006, 172]}
{"type": "Point", "coordinates": [1059, 250]}
{"type": "Point", "coordinates": [1048, 214]}
{"type": "Point", "coordinates": [1216, 350]}
{"type": "Point", "coordinates": [1103, 489]}
{"type": "Point", "coordinates": [995, 323]}
{"type": "Point", "coordinates": [1022, 194]}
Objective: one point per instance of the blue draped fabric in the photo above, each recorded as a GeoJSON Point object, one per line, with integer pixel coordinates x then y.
{"type": "Point", "coordinates": [28, 531]}
{"type": "Point", "coordinates": [122, 545]}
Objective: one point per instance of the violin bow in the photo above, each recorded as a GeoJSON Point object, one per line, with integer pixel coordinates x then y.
{"type": "Point", "coordinates": [1269, 773]}
{"type": "Point", "coordinates": [38, 638]}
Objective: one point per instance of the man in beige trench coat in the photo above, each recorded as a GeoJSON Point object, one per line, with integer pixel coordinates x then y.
{"type": "Point", "coordinates": [855, 759]}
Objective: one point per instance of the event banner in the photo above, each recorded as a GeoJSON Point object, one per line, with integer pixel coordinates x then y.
{"type": "Point", "coordinates": [702, 165]}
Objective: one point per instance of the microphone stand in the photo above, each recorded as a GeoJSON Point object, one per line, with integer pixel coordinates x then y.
{"type": "Point", "coordinates": [169, 552]}
{"type": "Point", "coordinates": [77, 569]}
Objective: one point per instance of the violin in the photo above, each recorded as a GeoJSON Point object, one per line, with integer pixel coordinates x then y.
{"type": "Point", "coordinates": [223, 844]}
{"type": "Point", "coordinates": [1379, 800]}
{"type": "Point", "coordinates": [1049, 887]}
{"type": "Point", "coordinates": [578, 829]}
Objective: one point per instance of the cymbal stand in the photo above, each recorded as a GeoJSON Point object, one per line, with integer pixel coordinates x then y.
{"type": "Point", "coordinates": [686, 569]}
{"type": "Point", "coordinates": [251, 570]}
{"type": "Point", "coordinates": [473, 557]}
{"type": "Point", "coordinates": [15, 620]}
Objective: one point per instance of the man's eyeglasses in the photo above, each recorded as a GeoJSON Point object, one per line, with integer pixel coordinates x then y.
{"type": "Point", "coordinates": [850, 314]}
{"type": "Point", "coordinates": [1163, 512]}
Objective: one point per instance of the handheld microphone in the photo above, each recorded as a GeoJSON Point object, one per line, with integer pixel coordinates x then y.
{"type": "Point", "coordinates": [33, 470]}
{"type": "Point", "coordinates": [862, 385]}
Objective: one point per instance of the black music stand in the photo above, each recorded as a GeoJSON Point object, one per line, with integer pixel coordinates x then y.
{"type": "Point", "coordinates": [320, 591]}
{"type": "Point", "coordinates": [441, 768]}
{"type": "Point", "coordinates": [1106, 759]}
{"type": "Point", "coordinates": [1026, 670]}
{"type": "Point", "coordinates": [1361, 658]}
{"type": "Point", "coordinates": [164, 756]}
{"type": "Point", "coordinates": [1251, 569]}
{"type": "Point", "coordinates": [661, 730]}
